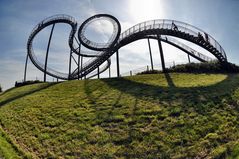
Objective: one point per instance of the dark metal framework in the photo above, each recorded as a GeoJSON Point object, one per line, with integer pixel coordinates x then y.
{"type": "Point", "coordinates": [161, 53]}
{"type": "Point", "coordinates": [150, 54]}
{"type": "Point", "coordinates": [99, 46]}
{"type": "Point", "coordinates": [162, 30]}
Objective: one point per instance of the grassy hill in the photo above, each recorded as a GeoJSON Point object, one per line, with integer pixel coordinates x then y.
{"type": "Point", "coordinates": [145, 116]}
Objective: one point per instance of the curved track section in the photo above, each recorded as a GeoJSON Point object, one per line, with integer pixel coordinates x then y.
{"type": "Point", "coordinates": [163, 27]}
{"type": "Point", "coordinates": [99, 46]}
{"type": "Point", "coordinates": [43, 24]}
{"type": "Point", "coordinates": [50, 21]}
{"type": "Point", "coordinates": [153, 29]}
{"type": "Point", "coordinates": [177, 29]}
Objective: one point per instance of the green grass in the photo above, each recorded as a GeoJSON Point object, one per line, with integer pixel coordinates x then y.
{"type": "Point", "coordinates": [7, 150]}
{"type": "Point", "coordinates": [146, 116]}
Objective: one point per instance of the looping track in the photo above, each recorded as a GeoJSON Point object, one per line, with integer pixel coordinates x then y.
{"type": "Point", "coordinates": [99, 46]}
{"type": "Point", "coordinates": [154, 29]}
{"type": "Point", "coordinates": [40, 26]}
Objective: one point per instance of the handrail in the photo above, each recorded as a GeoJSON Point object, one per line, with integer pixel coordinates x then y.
{"type": "Point", "coordinates": [189, 49]}
{"type": "Point", "coordinates": [169, 24]}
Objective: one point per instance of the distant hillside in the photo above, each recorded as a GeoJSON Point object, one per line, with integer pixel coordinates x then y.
{"type": "Point", "coordinates": [174, 115]}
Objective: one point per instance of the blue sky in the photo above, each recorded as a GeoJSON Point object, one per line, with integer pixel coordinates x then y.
{"type": "Point", "coordinates": [219, 18]}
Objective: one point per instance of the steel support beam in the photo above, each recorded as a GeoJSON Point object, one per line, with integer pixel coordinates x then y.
{"type": "Point", "coordinates": [78, 67]}
{"type": "Point", "coordinates": [150, 53]}
{"type": "Point", "coordinates": [98, 72]}
{"type": "Point", "coordinates": [109, 72]}
{"type": "Point", "coordinates": [79, 57]}
{"type": "Point", "coordinates": [48, 47]}
{"type": "Point", "coordinates": [117, 63]}
{"type": "Point", "coordinates": [69, 75]}
{"type": "Point", "coordinates": [161, 53]}
{"type": "Point", "coordinates": [25, 71]}
{"type": "Point", "coordinates": [81, 64]}
{"type": "Point", "coordinates": [189, 61]}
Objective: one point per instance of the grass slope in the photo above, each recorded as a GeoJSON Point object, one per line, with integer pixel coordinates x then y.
{"type": "Point", "coordinates": [146, 116]}
{"type": "Point", "coordinates": [7, 150]}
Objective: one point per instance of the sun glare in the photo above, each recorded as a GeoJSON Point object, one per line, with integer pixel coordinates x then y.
{"type": "Point", "coordinates": [144, 10]}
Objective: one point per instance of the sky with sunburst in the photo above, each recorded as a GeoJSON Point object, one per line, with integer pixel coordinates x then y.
{"type": "Point", "coordinates": [219, 18]}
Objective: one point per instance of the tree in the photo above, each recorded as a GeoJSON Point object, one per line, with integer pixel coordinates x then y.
{"type": "Point", "coordinates": [0, 88]}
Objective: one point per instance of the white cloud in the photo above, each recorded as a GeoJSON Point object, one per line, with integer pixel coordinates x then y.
{"type": "Point", "coordinates": [146, 10]}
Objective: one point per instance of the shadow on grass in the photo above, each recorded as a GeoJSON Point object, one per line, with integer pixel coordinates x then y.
{"type": "Point", "coordinates": [25, 94]}
{"type": "Point", "coordinates": [194, 96]}
{"type": "Point", "coordinates": [91, 86]}
{"type": "Point", "coordinates": [124, 132]}
{"type": "Point", "coordinates": [117, 100]}
{"type": "Point", "coordinates": [186, 97]}
{"type": "Point", "coordinates": [105, 115]}
{"type": "Point", "coordinates": [169, 80]}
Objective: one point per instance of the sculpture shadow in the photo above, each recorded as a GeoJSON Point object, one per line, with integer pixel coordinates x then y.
{"type": "Point", "coordinates": [188, 96]}
{"type": "Point", "coordinates": [91, 86]}
{"type": "Point", "coordinates": [123, 131]}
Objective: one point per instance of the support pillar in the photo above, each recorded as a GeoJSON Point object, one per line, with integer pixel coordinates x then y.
{"type": "Point", "coordinates": [150, 53]}
{"type": "Point", "coordinates": [161, 53]}
{"type": "Point", "coordinates": [25, 71]}
{"type": "Point", "coordinates": [79, 57]}
{"type": "Point", "coordinates": [109, 72]}
{"type": "Point", "coordinates": [189, 61]}
{"type": "Point", "coordinates": [117, 63]}
{"type": "Point", "coordinates": [98, 73]}
{"type": "Point", "coordinates": [81, 65]}
{"type": "Point", "coordinates": [48, 47]}
{"type": "Point", "coordinates": [69, 75]}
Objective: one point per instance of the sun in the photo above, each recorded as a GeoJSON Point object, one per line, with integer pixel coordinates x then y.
{"type": "Point", "coordinates": [144, 10]}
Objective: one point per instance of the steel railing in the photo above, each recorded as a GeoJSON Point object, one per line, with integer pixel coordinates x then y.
{"type": "Point", "coordinates": [172, 25]}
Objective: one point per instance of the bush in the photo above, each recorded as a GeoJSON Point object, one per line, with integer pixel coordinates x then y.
{"type": "Point", "coordinates": [150, 72]}
{"type": "Point", "coordinates": [19, 84]}
{"type": "Point", "coordinates": [206, 67]}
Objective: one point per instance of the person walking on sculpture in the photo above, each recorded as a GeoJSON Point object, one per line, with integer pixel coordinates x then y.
{"type": "Point", "coordinates": [174, 26]}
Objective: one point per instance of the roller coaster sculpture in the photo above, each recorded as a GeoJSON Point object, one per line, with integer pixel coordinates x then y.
{"type": "Point", "coordinates": [161, 30]}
